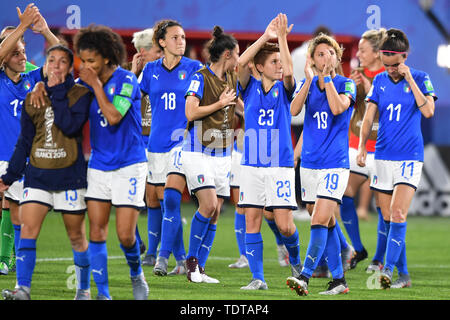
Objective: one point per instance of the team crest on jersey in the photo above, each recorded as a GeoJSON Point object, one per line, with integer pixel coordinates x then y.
{"type": "Point", "coordinates": [27, 85]}
{"type": "Point", "coordinates": [275, 93]}
{"type": "Point", "coordinates": [406, 88]}
{"type": "Point", "coordinates": [241, 196]}
{"type": "Point", "coordinates": [201, 178]}
{"type": "Point", "coordinates": [111, 89]}
{"type": "Point", "coordinates": [375, 180]}
{"type": "Point", "coordinates": [304, 192]}
{"type": "Point", "coordinates": [25, 194]}
{"type": "Point", "coordinates": [182, 75]}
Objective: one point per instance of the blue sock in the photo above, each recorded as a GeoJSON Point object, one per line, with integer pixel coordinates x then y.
{"type": "Point", "coordinates": [342, 239]}
{"type": "Point", "coordinates": [171, 221]}
{"type": "Point", "coordinates": [316, 248]}
{"type": "Point", "coordinates": [133, 257]}
{"type": "Point", "coordinates": [254, 248]}
{"type": "Point", "coordinates": [206, 246]}
{"type": "Point", "coordinates": [323, 261]}
{"type": "Point", "coordinates": [381, 238]}
{"type": "Point", "coordinates": [276, 232]}
{"type": "Point", "coordinates": [350, 219]}
{"type": "Point", "coordinates": [401, 264]}
{"type": "Point", "coordinates": [154, 220]}
{"type": "Point", "coordinates": [333, 252]}
{"type": "Point", "coordinates": [179, 251]}
{"type": "Point", "coordinates": [98, 254]}
{"type": "Point", "coordinates": [199, 227]}
{"type": "Point", "coordinates": [82, 267]}
{"type": "Point", "coordinates": [293, 247]}
{"type": "Point", "coordinates": [17, 229]}
{"type": "Point", "coordinates": [396, 240]}
{"type": "Point", "coordinates": [25, 261]}
{"type": "Point", "coordinates": [138, 236]}
{"type": "Point", "coordinates": [239, 230]}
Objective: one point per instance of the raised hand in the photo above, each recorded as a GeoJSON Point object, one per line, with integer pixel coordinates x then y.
{"type": "Point", "coordinates": [89, 76]}
{"type": "Point", "coordinates": [29, 16]}
{"type": "Point", "coordinates": [281, 24]}
{"type": "Point", "coordinates": [328, 67]}
{"type": "Point", "coordinates": [37, 96]}
{"type": "Point", "coordinates": [309, 72]}
{"type": "Point", "coordinates": [40, 25]}
{"type": "Point", "coordinates": [403, 69]}
{"type": "Point", "coordinates": [271, 29]}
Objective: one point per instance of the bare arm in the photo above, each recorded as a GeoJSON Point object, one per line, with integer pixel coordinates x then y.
{"type": "Point", "coordinates": [366, 128]}
{"type": "Point", "coordinates": [195, 112]}
{"type": "Point", "coordinates": [285, 55]}
{"type": "Point", "coordinates": [426, 103]}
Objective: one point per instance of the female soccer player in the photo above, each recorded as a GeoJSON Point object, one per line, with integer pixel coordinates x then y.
{"type": "Point", "coordinates": [117, 166]}
{"type": "Point", "coordinates": [56, 174]}
{"type": "Point", "coordinates": [206, 151]}
{"type": "Point", "coordinates": [401, 95]}
{"type": "Point", "coordinates": [14, 86]}
{"type": "Point", "coordinates": [328, 99]}
{"type": "Point", "coordinates": [370, 65]}
{"type": "Point", "coordinates": [166, 81]}
{"type": "Point", "coordinates": [268, 178]}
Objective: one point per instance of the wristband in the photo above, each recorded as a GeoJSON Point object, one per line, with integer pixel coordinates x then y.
{"type": "Point", "coordinates": [327, 79]}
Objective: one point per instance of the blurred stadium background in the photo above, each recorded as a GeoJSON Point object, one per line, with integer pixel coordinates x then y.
{"type": "Point", "coordinates": [424, 21]}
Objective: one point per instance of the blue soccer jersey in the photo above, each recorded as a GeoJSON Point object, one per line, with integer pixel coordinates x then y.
{"type": "Point", "coordinates": [325, 136]}
{"type": "Point", "coordinates": [11, 101]}
{"type": "Point", "coordinates": [166, 89]}
{"type": "Point", "coordinates": [267, 141]}
{"type": "Point", "coordinates": [117, 146]}
{"type": "Point", "coordinates": [191, 142]}
{"type": "Point", "coordinates": [399, 133]}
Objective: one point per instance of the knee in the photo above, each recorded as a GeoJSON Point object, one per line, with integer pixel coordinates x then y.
{"type": "Point", "coordinates": [398, 214]}
{"type": "Point", "coordinates": [97, 232]}
{"type": "Point", "coordinates": [208, 208]}
{"type": "Point", "coordinates": [127, 239]}
{"type": "Point", "coordinates": [287, 230]}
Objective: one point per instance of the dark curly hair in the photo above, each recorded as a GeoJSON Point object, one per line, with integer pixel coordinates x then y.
{"type": "Point", "coordinates": [103, 40]}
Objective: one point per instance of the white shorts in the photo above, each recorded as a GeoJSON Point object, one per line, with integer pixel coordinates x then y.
{"type": "Point", "coordinates": [388, 174]}
{"type": "Point", "coordinates": [124, 187]}
{"type": "Point", "coordinates": [204, 171]}
{"type": "Point", "coordinates": [14, 192]}
{"type": "Point", "coordinates": [235, 175]}
{"type": "Point", "coordinates": [162, 164]}
{"type": "Point", "coordinates": [270, 188]}
{"type": "Point", "coordinates": [367, 171]}
{"type": "Point", "coordinates": [323, 183]}
{"type": "Point", "coordinates": [70, 201]}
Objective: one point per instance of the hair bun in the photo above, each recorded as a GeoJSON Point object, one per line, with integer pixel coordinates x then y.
{"type": "Point", "coordinates": [217, 32]}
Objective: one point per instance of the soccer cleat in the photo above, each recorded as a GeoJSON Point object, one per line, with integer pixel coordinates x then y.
{"type": "Point", "coordinates": [336, 286]}
{"type": "Point", "coordinates": [300, 285]}
{"type": "Point", "coordinates": [179, 269]}
{"type": "Point", "coordinates": [192, 270]}
{"type": "Point", "coordinates": [20, 293]}
{"type": "Point", "coordinates": [386, 278]}
{"type": "Point", "coordinates": [102, 297]}
{"type": "Point", "coordinates": [149, 260]}
{"type": "Point", "coordinates": [296, 270]}
{"type": "Point", "coordinates": [161, 265]}
{"type": "Point", "coordinates": [242, 262]}
{"type": "Point", "coordinates": [374, 266]}
{"type": "Point", "coordinates": [346, 256]}
{"type": "Point", "coordinates": [283, 255]}
{"type": "Point", "coordinates": [403, 281]}
{"type": "Point", "coordinates": [206, 278]}
{"type": "Point", "coordinates": [357, 257]}
{"type": "Point", "coordinates": [83, 294]}
{"type": "Point", "coordinates": [256, 284]}
{"type": "Point", "coordinates": [140, 287]}
{"type": "Point", "coordinates": [322, 271]}
{"type": "Point", "coordinates": [4, 270]}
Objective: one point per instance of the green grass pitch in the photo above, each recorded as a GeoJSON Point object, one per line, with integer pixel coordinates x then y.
{"type": "Point", "coordinates": [428, 253]}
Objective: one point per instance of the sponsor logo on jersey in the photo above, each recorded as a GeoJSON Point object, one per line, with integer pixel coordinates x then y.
{"type": "Point", "coordinates": [428, 85]}
{"type": "Point", "coordinates": [127, 90]}
{"type": "Point", "coordinates": [350, 87]}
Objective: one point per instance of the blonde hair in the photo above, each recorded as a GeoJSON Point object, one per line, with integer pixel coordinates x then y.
{"type": "Point", "coordinates": [323, 38]}
{"type": "Point", "coordinates": [375, 37]}
{"type": "Point", "coordinates": [143, 39]}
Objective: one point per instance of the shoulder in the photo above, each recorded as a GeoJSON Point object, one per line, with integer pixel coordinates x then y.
{"type": "Point", "coordinates": [418, 74]}
{"type": "Point", "coordinates": [193, 64]}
